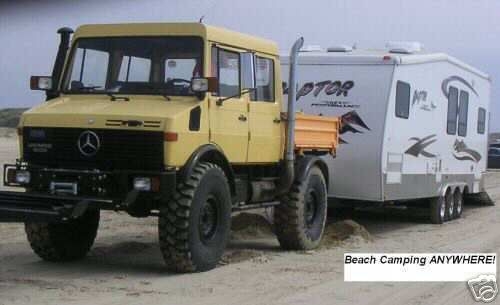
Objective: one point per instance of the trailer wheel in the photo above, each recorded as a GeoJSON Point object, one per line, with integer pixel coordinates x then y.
{"type": "Point", "coordinates": [438, 210]}
{"type": "Point", "coordinates": [194, 225]}
{"type": "Point", "coordinates": [450, 204]}
{"type": "Point", "coordinates": [65, 241]}
{"type": "Point", "coordinates": [300, 217]}
{"type": "Point", "coordinates": [459, 203]}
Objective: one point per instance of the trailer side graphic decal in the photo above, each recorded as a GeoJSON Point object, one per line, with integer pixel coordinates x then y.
{"type": "Point", "coordinates": [462, 152]}
{"type": "Point", "coordinates": [419, 147]}
{"type": "Point", "coordinates": [446, 88]}
{"type": "Point", "coordinates": [337, 88]}
{"type": "Point", "coordinates": [348, 121]}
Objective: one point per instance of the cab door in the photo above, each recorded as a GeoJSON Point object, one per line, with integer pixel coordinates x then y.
{"type": "Point", "coordinates": [264, 115]}
{"type": "Point", "coordinates": [228, 107]}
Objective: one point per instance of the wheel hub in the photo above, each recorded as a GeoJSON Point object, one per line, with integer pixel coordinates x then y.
{"type": "Point", "coordinates": [208, 219]}
{"type": "Point", "coordinates": [459, 205]}
{"type": "Point", "coordinates": [311, 207]}
{"type": "Point", "coordinates": [442, 210]}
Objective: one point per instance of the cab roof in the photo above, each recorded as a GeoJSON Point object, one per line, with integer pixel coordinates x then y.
{"type": "Point", "coordinates": [210, 33]}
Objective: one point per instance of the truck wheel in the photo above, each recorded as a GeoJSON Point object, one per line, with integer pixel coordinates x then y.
{"type": "Point", "coordinates": [194, 225]}
{"type": "Point", "coordinates": [300, 217]}
{"type": "Point", "coordinates": [459, 203]}
{"type": "Point", "coordinates": [450, 205]}
{"type": "Point", "coordinates": [65, 241]}
{"type": "Point", "coordinates": [438, 210]}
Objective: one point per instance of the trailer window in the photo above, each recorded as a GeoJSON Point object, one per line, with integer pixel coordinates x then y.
{"type": "Point", "coordinates": [402, 100]}
{"type": "Point", "coordinates": [463, 110]}
{"type": "Point", "coordinates": [481, 121]}
{"type": "Point", "coordinates": [451, 126]}
{"type": "Point", "coordinates": [264, 78]}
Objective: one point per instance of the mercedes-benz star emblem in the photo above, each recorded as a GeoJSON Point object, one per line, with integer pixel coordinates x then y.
{"type": "Point", "coordinates": [88, 143]}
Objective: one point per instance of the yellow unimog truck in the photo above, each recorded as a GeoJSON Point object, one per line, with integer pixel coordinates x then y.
{"type": "Point", "coordinates": [182, 121]}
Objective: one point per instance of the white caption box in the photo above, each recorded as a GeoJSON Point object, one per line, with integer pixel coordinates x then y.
{"type": "Point", "coordinates": [417, 267]}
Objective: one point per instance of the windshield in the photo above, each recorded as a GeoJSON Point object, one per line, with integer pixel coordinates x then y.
{"type": "Point", "coordinates": [134, 65]}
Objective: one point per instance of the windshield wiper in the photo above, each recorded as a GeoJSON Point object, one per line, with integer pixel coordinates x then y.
{"type": "Point", "coordinates": [116, 98]}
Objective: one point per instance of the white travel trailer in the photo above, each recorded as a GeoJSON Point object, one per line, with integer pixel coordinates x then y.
{"type": "Point", "coordinates": [414, 124]}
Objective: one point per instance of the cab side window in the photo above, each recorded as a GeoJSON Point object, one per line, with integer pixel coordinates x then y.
{"type": "Point", "coordinates": [227, 71]}
{"type": "Point", "coordinates": [264, 79]}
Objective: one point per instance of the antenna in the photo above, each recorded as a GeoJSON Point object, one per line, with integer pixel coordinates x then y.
{"type": "Point", "coordinates": [208, 10]}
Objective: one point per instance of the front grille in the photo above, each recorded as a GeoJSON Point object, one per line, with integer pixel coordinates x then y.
{"type": "Point", "coordinates": [119, 149]}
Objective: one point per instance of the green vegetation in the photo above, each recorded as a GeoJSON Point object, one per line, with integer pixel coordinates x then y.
{"type": "Point", "coordinates": [9, 117]}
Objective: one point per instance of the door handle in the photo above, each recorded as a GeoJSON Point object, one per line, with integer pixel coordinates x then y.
{"type": "Point", "coordinates": [242, 118]}
{"type": "Point", "coordinates": [276, 120]}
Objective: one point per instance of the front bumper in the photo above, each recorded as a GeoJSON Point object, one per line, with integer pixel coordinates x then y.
{"type": "Point", "coordinates": [112, 190]}
{"type": "Point", "coordinates": [21, 207]}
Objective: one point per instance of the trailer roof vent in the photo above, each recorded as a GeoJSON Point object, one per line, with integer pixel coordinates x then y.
{"type": "Point", "coordinates": [404, 47]}
{"type": "Point", "coordinates": [311, 48]}
{"type": "Point", "coordinates": [340, 48]}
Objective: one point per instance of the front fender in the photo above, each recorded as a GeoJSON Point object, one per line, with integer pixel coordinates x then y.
{"type": "Point", "coordinates": [209, 153]}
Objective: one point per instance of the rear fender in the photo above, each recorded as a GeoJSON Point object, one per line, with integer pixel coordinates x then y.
{"type": "Point", "coordinates": [304, 164]}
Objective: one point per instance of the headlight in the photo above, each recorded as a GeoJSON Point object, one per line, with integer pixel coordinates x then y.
{"type": "Point", "coordinates": [142, 184]}
{"type": "Point", "coordinates": [23, 177]}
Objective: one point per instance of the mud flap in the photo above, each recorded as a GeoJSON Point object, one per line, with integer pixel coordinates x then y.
{"type": "Point", "coordinates": [481, 198]}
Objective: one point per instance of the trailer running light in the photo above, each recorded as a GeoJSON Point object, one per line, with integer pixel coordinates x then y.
{"type": "Point", "coordinates": [142, 184]}
{"type": "Point", "coordinates": [387, 57]}
{"type": "Point", "coordinates": [171, 136]}
{"type": "Point", "coordinates": [23, 177]}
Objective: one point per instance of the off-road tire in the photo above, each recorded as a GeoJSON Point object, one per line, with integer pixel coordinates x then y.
{"type": "Point", "coordinates": [437, 210]}
{"type": "Point", "coordinates": [459, 203]}
{"type": "Point", "coordinates": [183, 242]}
{"type": "Point", "coordinates": [293, 229]}
{"type": "Point", "coordinates": [65, 241]}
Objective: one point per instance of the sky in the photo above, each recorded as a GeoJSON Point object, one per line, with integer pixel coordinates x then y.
{"type": "Point", "coordinates": [468, 30]}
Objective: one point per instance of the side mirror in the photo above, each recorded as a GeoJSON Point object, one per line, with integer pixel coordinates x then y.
{"type": "Point", "coordinates": [247, 71]}
{"type": "Point", "coordinates": [41, 83]}
{"type": "Point", "coordinates": [204, 84]}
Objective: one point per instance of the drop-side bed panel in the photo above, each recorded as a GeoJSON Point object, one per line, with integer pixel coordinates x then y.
{"type": "Point", "coordinates": [313, 132]}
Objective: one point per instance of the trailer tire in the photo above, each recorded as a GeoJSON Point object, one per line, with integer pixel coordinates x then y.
{"type": "Point", "coordinates": [65, 241]}
{"type": "Point", "coordinates": [437, 210]}
{"type": "Point", "coordinates": [459, 203]}
{"type": "Point", "coordinates": [450, 204]}
{"type": "Point", "coordinates": [194, 225]}
{"type": "Point", "coordinates": [301, 215]}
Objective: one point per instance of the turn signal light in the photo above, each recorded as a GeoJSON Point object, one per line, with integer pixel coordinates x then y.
{"type": "Point", "coordinates": [11, 175]}
{"type": "Point", "coordinates": [171, 136]}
